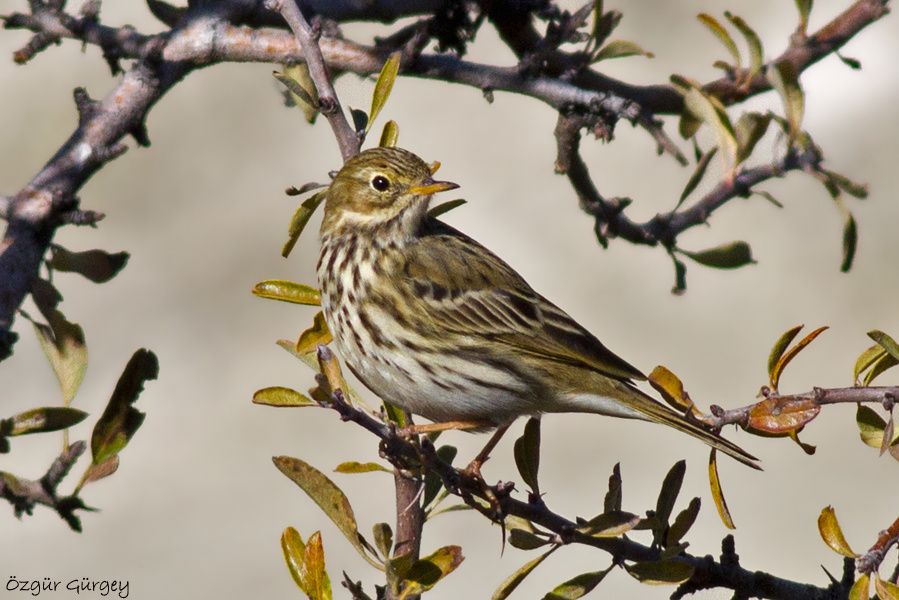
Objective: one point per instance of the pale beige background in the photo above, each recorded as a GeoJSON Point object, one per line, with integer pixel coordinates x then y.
{"type": "Point", "coordinates": [197, 508]}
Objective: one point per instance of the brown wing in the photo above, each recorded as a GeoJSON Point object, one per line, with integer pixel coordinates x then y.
{"type": "Point", "coordinates": [471, 292]}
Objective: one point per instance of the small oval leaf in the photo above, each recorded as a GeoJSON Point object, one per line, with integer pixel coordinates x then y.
{"type": "Point", "coordinates": [860, 588]}
{"type": "Point", "coordinates": [288, 291]}
{"type": "Point", "coordinates": [722, 34]}
{"type": "Point", "coordinates": [578, 587]}
{"type": "Point", "coordinates": [353, 466]}
{"type": "Point", "coordinates": [621, 49]}
{"type": "Point", "coordinates": [97, 265]}
{"type": "Point", "coordinates": [663, 572]}
{"type": "Point", "coordinates": [300, 219]}
{"type": "Point", "coordinates": [782, 415]}
{"type": "Point", "coordinates": [282, 396]}
{"type": "Point", "coordinates": [50, 418]}
{"type": "Point", "coordinates": [389, 135]}
{"type": "Point", "coordinates": [784, 78]}
{"type": "Point", "coordinates": [426, 572]}
{"type": "Point", "coordinates": [726, 256]}
{"type": "Point", "coordinates": [832, 534]}
{"type": "Point", "coordinates": [886, 590]}
{"type": "Point", "coordinates": [315, 336]}
{"type": "Point", "coordinates": [527, 454]}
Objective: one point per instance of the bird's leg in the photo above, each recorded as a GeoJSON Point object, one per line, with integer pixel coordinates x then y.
{"type": "Point", "coordinates": [444, 426]}
{"type": "Point", "coordinates": [474, 467]}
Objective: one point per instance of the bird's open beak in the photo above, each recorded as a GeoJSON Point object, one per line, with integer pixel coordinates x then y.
{"type": "Point", "coordinates": [429, 186]}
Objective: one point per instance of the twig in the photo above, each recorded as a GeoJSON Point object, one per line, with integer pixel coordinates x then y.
{"type": "Point", "coordinates": [329, 104]}
{"type": "Point", "coordinates": [870, 560]}
{"type": "Point", "coordinates": [818, 396]}
{"type": "Point", "coordinates": [25, 494]}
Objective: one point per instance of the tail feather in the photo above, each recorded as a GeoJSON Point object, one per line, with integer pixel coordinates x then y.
{"type": "Point", "coordinates": [634, 404]}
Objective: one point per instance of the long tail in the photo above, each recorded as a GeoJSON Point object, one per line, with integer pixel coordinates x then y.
{"type": "Point", "coordinates": [634, 404]}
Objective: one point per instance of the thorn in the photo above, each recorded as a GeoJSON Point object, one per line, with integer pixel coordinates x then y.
{"type": "Point", "coordinates": [87, 107]}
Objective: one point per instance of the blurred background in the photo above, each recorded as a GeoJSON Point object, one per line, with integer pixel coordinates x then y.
{"type": "Point", "coordinates": [197, 508]}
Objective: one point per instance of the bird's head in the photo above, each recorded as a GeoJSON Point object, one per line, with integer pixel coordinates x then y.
{"type": "Point", "coordinates": [379, 189]}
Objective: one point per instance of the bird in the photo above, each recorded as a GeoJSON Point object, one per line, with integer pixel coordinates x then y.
{"type": "Point", "coordinates": [432, 321]}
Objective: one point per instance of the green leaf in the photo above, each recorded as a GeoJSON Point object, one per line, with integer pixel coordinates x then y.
{"type": "Point", "coordinates": [306, 563]}
{"type": "Point", "coordinates": [668, 494]}
{"type": "Point", "coordinates": [386, 78]}
{"type": "Point", "coordinates": [850, 241]}
{"type": "Point", "coordinates": [514, 580]}
{"type": "Point", "coordinates": [51, 418]}
{"type": "Point", "coordinates": [329, 498]}
{"type": "Point", "coordinates": [445, 207]}
{"type": "Point", "coordinates": [288, 291]}
{"type": "Point", "coordinates": [732, 255]}
{"type": "Point", "coordinates": [294, 550]}
{"type": "Point", "coordinates": [360, 120]}
{"type": "Point", "coordinates": [866, 359]}
{"type": "Point", "coordinates": [856, 190]}
{"type": "Point", "coordinates": [315, 336]}
{"type": "Point", "coordinates": [886, 342]}
{"type": "Point", "coordinates": [603, 24]}
{"type": "Point", "coordinates": [832, 534]}
{"type": "Point", "coordinates": [663, 572]}
{"type": "Point", "coordinates": [389, 135]}
{"type": "Point", "coordinates": [578, 587]}
{"type": "Point", "coordinates": [710, 111]}
{"type": "Point", "coordinates": [621, 49]}
{"type": "Point", "coordinates": [282, 397]}
{"type": "Point", "coordinates": [756, 55]}
{"type": "Point", "coordinates": [680, 277]}
{"type": "Point", "coordinates": [860, 588]}
{"type": "Point", "coordinates": [301, 90]}
{"type": "Point", "coordinates": [784, 78]}
{"type": "Point", "coordinates": [612, 524]}
{"type": "Point", "coordinates": [852, 63]}
{"type": "Point", "coordinates": [63, 343]}
{"type": "Point", "coordinates": [769, 197]}
{"type": "Point", "coordinates": [697, 175]}
{"type": "Point", "coordinates": [527, 454]}
{"type": "Point", "coordinates": [718, 492]}
{"type": "Point", "coordinates": [432, 480]}
{"type": "Point", "coordinates": [526, 540]}
{"type": "Point", "coordinates": [121, 420]}
{"type": "Point", "coordinates": [97, 265]}
{"type": "Point", "coordinates": [358, 467]}
{"type": "Point", "coordinates": [383, 535]}
{"type": "Point", "coordinates": [779, 347]}
{"type": "Point", "coordinates": [612, 501]}
{"type": "Point", "coordinates": [300, 219]}
{"type": "Point", "coordinates": [750, 128]}
{"type": "Point", "coordinates": [682, 523]}
{"type": "Point", "coordinates": [790, 354]}
{"type": "Point", "coordinates": [722, 35]}
{"type": "Point", "coordinates": [426, 572]}
{"type": "Point", "coordinates": [871, 428]}
{"type": "Point", "coordinates": [880, 365]}
{"type": "Point", "coordinates": [804, 7]}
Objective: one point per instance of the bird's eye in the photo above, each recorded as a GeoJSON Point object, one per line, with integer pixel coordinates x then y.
{"type": "Point", "coordinates": [380, 183]}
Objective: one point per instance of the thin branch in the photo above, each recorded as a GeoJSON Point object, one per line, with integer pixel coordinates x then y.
{"type": "Point", "coordinates": [870, 561]}
{"type": "Point", "coordinates": [708, 573]}
{"type": "Point", "coordinates": [25, 494]}
{"type": "Point", "coordinates": [329, 103]}
{"type": "Point", "coordinates": [883, 395]}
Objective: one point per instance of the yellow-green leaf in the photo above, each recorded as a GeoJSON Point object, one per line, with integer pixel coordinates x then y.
{"type": "Point", "coordinates": [866, 359]}
{"type": "Point", "coordinates": [389, 135]}
{"type": "Point", "coordinates": [301, 91]}
{"type": "Point", "coordinates": [353, 466]}
{"type": "Point", "coordinates": [790, 354]}
{"type": "Point", "coordinates": [383, 86]}
{"type": "Point", "coordinates": [611, 524]}
{"type": "Point", "coordinates": [717, 492]}
{"type": "Point", "coordinates": [426, 572]}
{"type": "Point", "coordinates": [383, 535]}
{"type": "Point", "coordinates": [526, 540]}
{"type": "Point", "coordinates": [663, 572]}
{"type": "Point", "coordinates": [750, 128]}
{"type": "Point", "coordinates": [804, 7]}
{"type": "Point", "coordinates": [671, 388]}
{"type": "Point", "coordinates": [300, 219]}
{"type": "Point", "coordinates": [756, 56]}
{"type": "Point", "coordinates": [722, 34]}
{"type": "Point", "coordinates": [329, 498]}
{"type": "Point", "coordinates": [779, 347]}
{"type": "Point", "coordinates": [886, 590]}
{"type": "Point", "coordinates": [784, 78]}
{"type": "Point", "coordinates": [726, 256]}
{"type": "Point", "coordinates": [832, 534]}
{"type": "Point", "coordinates": [97, 265]}
{"type": "Point", "coordinates": [578, 587]}
{"type": "Point", "coordinates": [50, 418]}
{"type": "Point", "coordinates": [63, 344]}
{"type": "Point", "coordinates": [120, 420]}
{"type": "Point", "coordinates": [445, 207]}
{"type": "Point", "coordinates": [886, 361]}
{"type": "Point", "coordinates": [888, 343]}
{"type": "Point", "coordinates": [294, 551]}
{"type": "Point", "coordinates": [708, 110]}
{"type": "Point", "coordinates": [527, 454]}
{"type": "Point", "coordinates": [668, 494]}
{"type": "Point", "coordinates": [288, 291]}
{"type": "Point", "coordinates": [621, 49]}
{"type": "Point", "coordinates": [282, 396]}
{"type": "Point", "coordinates": [682, 523]}
{"type": "Point", "coordinates": [697, 175]}
{"type": "Point", "coordinates": [315, 336]}
{"type": "Point", "coordinates": [514, 580]}
{"type": "Point", "coordinates": [860, 588]}
{"type": "Point", "coordinates": [871, 427]}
